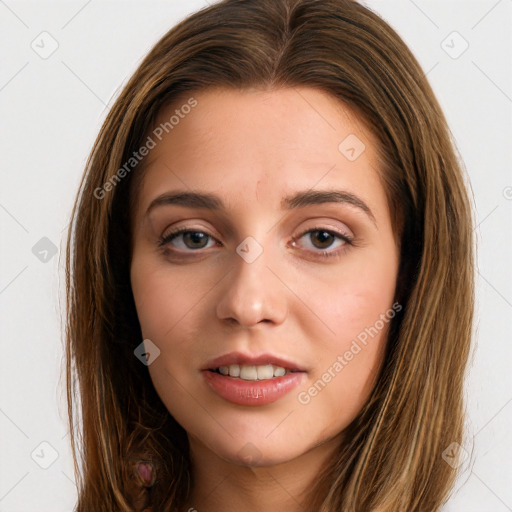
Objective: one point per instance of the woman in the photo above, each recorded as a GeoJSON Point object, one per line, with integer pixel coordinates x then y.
{"type": "Point", "coordinates": [270, 273]}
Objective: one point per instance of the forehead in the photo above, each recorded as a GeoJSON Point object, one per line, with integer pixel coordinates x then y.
{"type": "Point", "coordinates": [300, 122]}
{"type": "Point", "coordinates": [259, 144]}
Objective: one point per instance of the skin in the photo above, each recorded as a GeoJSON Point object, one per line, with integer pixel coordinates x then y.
{"type": "Point", "coordinates": [252, 148]}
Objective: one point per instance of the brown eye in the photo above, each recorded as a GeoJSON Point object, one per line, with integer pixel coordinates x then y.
{"type": "Point", "coordinates": [321, 239]}
{"type": "Point", "coordinates": [323, 242]}
{"type": "Point", "coordinates": [195, 239]}
{"type": "Point", "coordinates": [187, 239]}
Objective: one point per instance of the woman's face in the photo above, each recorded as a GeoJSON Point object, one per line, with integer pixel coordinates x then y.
{"type": "Point", "coordinates": [288, 265]}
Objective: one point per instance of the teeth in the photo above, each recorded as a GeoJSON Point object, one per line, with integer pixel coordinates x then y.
{"type": "Point", "coordinates": [234, 370]}
{"type": "Point", "coordinates": [250, 372]}
{"type": "Point", "coordinates": [265, 372]}
{"type": "Point", "coordinates": [278, 371]}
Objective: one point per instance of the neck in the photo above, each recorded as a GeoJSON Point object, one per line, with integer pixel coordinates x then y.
{"type": "Point", "coordinates": [220, 485]}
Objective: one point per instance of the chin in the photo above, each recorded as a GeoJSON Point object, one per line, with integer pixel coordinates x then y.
{"type": "Point", "coordinates": [254, 455]}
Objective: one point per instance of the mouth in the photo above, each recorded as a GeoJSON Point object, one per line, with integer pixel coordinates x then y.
{"type": "Point", "coordinates": [249, 367]}
{"type": "Point", "coordinates": [250, 380]}
{"type": "Point", "coordinates": [253, 372]}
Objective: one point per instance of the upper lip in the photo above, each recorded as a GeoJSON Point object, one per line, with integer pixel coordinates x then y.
{"type": "Point", "coordinates": [248, 359]}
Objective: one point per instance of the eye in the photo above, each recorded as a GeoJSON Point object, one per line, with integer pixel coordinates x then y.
{"type": "Point", "coordinates": [187, 239]}
{"type": "Point", "coordinates": [320, 239]}
{"type": "Point", "coordinates": [317, 240]}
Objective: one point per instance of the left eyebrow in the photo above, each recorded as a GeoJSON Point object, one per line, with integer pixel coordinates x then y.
{"type": "Point", "coordinates": [312, 197]}
{"type": "Point", "coordinates": [297, 200]}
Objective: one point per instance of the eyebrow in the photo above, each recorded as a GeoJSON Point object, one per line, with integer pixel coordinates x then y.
{"type": "Point", "coordinates": [297, 200]}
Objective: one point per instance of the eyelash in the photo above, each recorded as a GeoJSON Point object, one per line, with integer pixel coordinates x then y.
{"type": "Point", "coordinates": [326, 253]}
{"type": "Point", "coordinates": [322, 253]}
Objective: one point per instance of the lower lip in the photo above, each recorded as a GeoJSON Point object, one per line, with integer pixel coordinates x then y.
{"type": "Point", "coordinates": [252, 392]}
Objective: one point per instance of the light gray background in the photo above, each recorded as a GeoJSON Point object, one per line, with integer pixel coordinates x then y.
{"type": "Point", "coordinates": [51, 110]}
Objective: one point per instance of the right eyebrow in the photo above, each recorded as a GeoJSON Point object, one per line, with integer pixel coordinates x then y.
{"type": "Point", "coordinates": [187, 199]}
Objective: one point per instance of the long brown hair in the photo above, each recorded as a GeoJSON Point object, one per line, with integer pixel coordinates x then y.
{"type": "Point", "coordinates": [392, 458]}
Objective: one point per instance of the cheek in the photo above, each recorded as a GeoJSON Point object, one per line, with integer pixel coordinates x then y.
{"type": "Point", "coordinates": [358, 318]}
{"type": "Point", "coordinates": [164, 299]}
{"type": "Point", "coordinates": [352, 297]}
{"type": "Point", "coordinates": [357, 306]}
{"type": "Point", "coordinates": [165, 308]}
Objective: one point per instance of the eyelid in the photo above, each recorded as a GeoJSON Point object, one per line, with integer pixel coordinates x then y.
{"type": "Point", "coordinates": [187, 226]}
{"type": "Point", "coordinates": [179, 231]}
{"type": "Point", "coordinates": [328, 229]}
{"type": "Point", "coordinates": [166, 238]}
{"type": "Point", "coordinates": [348, 239]}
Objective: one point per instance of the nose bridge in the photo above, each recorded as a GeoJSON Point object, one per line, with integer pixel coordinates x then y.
{"type": "Point", "coordinates": [251, 293]}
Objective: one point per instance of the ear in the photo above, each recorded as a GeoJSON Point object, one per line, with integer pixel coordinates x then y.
{"type": "Point", "coordinates": [146, 473]}
{"type": "Point", "coordinates": [141, 477]}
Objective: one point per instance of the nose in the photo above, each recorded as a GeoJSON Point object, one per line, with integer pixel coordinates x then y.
{"type": "Point", "coordinates": [251, 293]}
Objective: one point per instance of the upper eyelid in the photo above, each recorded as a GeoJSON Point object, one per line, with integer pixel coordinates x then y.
{"type": "Point", "coordinates": [182, 231]}
{"type": "Point", "coordinates": [347, 239]}
{"type": "Point", "coordinates": [324, 228]}
{"type": "Point", "coordinates": [320, 225]}
{"type": "Point", "coordinates": [179, 231]}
